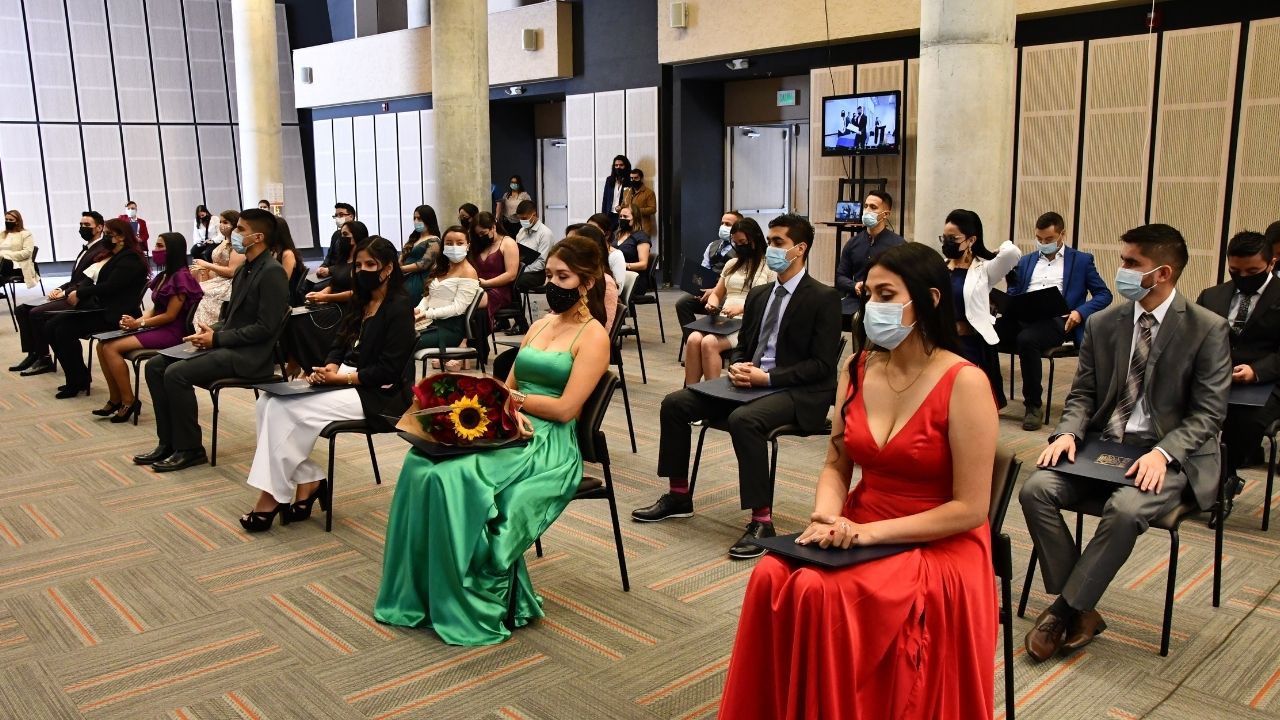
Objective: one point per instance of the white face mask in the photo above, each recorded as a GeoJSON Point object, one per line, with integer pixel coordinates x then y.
{"type": "Point", "coordinates": [455, 253]}
{"type": "Point", "coordinates": [131, 212]}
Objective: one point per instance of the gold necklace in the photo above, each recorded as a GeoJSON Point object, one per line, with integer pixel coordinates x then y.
{"type": "Point", "coordinates": [889, 382]}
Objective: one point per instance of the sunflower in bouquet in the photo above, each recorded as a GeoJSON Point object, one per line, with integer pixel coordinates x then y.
{"type": "Point", "coordinates": [457, 409]}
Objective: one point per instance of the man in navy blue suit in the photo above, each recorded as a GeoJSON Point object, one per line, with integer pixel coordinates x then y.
{"type": "Point", "coordinates": [1051, 265]}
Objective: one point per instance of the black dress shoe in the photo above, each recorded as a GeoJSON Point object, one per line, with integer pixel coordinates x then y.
{"type": "Point", "coordinates": [27, 362]}
{"type": "Point", "coordinates": [41, 366]}
{"type": "Point", "coordinates": [70, 391]}
{"type": "Point", "coordinates": [744, 549]}
{"type": "Point", "coordinates": [670, 505]}
{"type": "Point", "coordinates": [181, 460]}
{"type": "Point", "coordinates": [161, 452]}
{"type": "Point", "coordinates": [1233, 487]}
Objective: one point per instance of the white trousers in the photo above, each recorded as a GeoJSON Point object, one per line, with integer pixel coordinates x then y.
{"type": "Point", "coordinates": [287, 430]}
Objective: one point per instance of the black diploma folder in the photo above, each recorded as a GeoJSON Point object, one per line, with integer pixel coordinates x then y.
{"type": "Point", "coordinates": [185, 351]}
{"type": "Point", "coordinates": [1103, 460]}
{"type": "Point", "coordinates": [785, 545]}
{"type": "Point", "coordinates": [715, 325]}
{"type": "Point", "coordinates": [695, 278]}
{"type": "Point", "coordinates": [721, 389]}
{"type": "Point", "coordinates": [1032, 306]}
{"type": "Point", "coordinates": [1251, 395]}
{"type": "Point", "coordinates": [296, 387]}
{"type": "Point", "coordinates": [113, 334]}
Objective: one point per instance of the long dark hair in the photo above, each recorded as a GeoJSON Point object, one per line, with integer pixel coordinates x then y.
{"type": "Point", "coordinates": [483, 220]}
{"type": "Point", "coordinates": [125, 229]}
{"type": "Point", "coordinates": [208, 216]}
{"type": "Point", "coordinates": [427, 215]}
{"type": "Point", "coordinates": [752, 262]}
{"type": "Point", "coordinates": [519, 181]}
{"type": "Point", "coordinates": [582, 255]}
{"type": "Point", "coordinates": [440, 266]}
{"type": "Point", "coordinates": [380, 249]}
{"type": "Point", "coordinates": [968, 222]}
{"type": "Point", "coordinates": [175, 253]}
{"type": "Point", "coordinates": [359, 233]}
{"type": "Point", "coordinates": [232, 217]}
{"type": "Point", "coordinates": [922, 270]}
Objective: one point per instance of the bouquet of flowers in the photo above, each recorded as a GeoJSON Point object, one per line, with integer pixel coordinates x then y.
{"type": "Point", "coordinates": [463, 410]}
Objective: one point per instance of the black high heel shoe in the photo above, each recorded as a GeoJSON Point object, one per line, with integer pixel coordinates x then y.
{"type": "Point", "coordinates": [261, 521]}
{"type": "Point", "coordinates": [301, 510]}
{"type": "Point", "coordinates": [134, 409]}
{"type": "Point", "coordinates": [109, 409]}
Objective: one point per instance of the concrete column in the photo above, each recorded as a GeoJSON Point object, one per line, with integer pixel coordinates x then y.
{"type": "Point", "coordinates": [253, 24]}
{"type": "Point", "coordinates": [964, 149]}
{"type": "Point", "coordinates": [460, 101]}
{"type": "Point", "coordinates": [418, 13]}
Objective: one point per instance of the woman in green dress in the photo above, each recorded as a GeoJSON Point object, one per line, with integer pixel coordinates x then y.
{"type": "Point", "coordinates": [458, 526]}
{"type": "Point", "coordinates": [419, 253]}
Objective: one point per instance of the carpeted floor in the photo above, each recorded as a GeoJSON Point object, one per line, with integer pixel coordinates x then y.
{"type": "Point", "coordinates": [126, 594]}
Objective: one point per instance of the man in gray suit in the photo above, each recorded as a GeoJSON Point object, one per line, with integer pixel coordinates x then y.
{"type": "Point", "coordinates": [242, 345]}
{"type": "Point", "coordinates": [1153, 373]}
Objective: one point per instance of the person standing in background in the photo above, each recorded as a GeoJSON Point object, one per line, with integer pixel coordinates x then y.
{"type": "Point", "coordinates": [615, 186]}
{"type": "Point", "coordinates": [643, 204]}
{"type": "Point", "coordinates": [505, 208]}
{"type": "Point", "coordinates": [138, 224]}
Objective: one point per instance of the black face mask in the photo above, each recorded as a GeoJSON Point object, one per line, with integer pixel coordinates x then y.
{"type": "Point", "coordinates": [619, 172]}
{"type": "Point", "coordinates": [561, 300]}
{"type": "Point", "coordinates": [10, 225]}
{"type": "Point", "coordinates": [624, 225]}
{"type": "Point", "coordinates": [366, 281]}
{"type": "Point", "coordinates": [1249, 284]}
{"type": "Point", "coordinates": [86, 234]}
{"type": "Point", "coordinates": [951, 250]}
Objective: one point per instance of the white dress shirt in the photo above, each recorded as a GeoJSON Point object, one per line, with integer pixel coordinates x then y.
{"type": "Point", "coordinates": [768, 358]}
{"type": "Point", "coordinates": [1140, 419]}
{"type": "Point", "coordinates": [1047, 273]}
{"type": "Point", "coordinates": [536, 237]}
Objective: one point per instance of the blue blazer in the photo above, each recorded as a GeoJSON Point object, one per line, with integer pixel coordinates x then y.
{"type": "Point", "coordinates": [1080, 282]}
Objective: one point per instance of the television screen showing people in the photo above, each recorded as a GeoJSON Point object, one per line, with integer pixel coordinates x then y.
{"type": "Point", "coordinates": [860, 124]}
{"type": "Point", "coordinates": [848, 211]}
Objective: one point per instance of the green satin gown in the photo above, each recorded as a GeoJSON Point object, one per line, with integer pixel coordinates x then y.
{"type": "Point", "coordinates": [457, 526]}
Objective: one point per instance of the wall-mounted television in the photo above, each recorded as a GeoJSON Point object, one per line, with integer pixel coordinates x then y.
{"type": "Point", "coordinates": [861, 124]}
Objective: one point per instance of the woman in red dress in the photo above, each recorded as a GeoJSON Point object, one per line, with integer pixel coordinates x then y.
{"type": "Point", "coordinates": [911, 635]}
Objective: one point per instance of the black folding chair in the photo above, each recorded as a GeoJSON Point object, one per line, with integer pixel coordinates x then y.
{"type": "Point", "coordinates": [476, 342]}
{"type": "Point", "coordinates": [1004, 475]}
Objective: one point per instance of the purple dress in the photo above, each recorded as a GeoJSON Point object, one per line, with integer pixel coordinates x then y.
{"type": "Point", "coordinates": [170, 334]}
{"type": "Point", "coordinates": [489, 268]}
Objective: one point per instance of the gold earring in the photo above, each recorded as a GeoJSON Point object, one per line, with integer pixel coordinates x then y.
{"type": "Point", "coordinates": [584, 312]}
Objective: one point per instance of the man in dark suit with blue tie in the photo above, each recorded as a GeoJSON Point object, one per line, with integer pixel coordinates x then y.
{"type": "Point", "coordinates": [790, 339]}
{"type": "Point", "coordinates": [1073, 273]}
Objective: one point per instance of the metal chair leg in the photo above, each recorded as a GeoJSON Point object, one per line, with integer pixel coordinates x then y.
{"type": "Point", "coordinates": [644, 376]}
{"type": "Point", "coordinates": [1026, 586]}
{"type": "Point", "coordinates": [1048, 389]}
{"type": "Point", "coordinates": [328, 514]}
{"type": "Point", "coordinates": [1271, 477]}
{"type": "Point", "coordinates": [1079, 533]}
{"type": "Point", "coordinates": [617, 530]}
{"type": "Point", "coordinates": [537, 546]}
{"type": "Point", "coordinates": [1013, 370]}
{"type": "Point", "coordinates": [697, 459]}
{"type": "Point", "coordinates": [657, 305]}
{"type": "Point", "coordinates": [137, 385]}
{"type": "Point", "coordinates": [626, 405]}
{"type": "Point", "coordinates": [1168, 592]}
{"type": "Point", "coordinates": [213, 454]}
{"type": "Point", "coordinates": [1217, 558]}
{"type": "Point", "coordinates": [373, 458]}
{"type": "Point", "coordinates": [1006, 619]}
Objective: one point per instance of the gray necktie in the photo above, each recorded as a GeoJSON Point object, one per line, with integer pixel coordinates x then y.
{"type": "Point", "coordinates": [1133, 383]}
{"type": "Point", "coordinates": [1242, 313]}
{"type": "Point", "coordinates": [769, 326]}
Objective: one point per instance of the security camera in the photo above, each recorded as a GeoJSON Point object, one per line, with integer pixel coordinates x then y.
{"type": "Point", "coordinates": [738, 64]}
{"type": "Point", "coordinates": [515, 90]}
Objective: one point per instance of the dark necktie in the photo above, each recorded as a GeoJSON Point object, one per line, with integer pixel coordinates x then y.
{"type": "Point", "coordinates": [1132, 389]}
{"type": "Point", "coordinates": [769, 326]}
{"type": "Point", "coordinates": [1242, 313]}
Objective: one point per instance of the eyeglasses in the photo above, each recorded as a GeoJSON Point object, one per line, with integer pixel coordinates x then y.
{"type": "Point", "coordinates": [340, 215]}
{"type": "Point", "coordinates": [944, 238]}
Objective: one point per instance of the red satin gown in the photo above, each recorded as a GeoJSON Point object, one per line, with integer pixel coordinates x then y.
{"type": "Point", "coordinates": [912, 635]}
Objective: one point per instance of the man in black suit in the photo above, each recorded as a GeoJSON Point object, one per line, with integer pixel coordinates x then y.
{"type": "Point", "coordinates": [859, 121]}
{"type": "Point", "coordinates": [31, 319]}
{"type": "Point", "coordinates": [242, 345]}
{"type": "Point", "coordinates": [789, 339]}
{"type": "Point", "coordinates": [1250, 302]}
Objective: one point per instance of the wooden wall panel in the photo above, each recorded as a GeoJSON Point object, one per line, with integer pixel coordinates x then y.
{"type": "Point", "coordinates": [1117, 141]}
{"type": "Point", "coordinates": [1193, 135]}
{"type": "Point", "coordinates": [1048, 136]}
{"type": "Point", "coordinates": [911, 123]}
{"type": "Point", "coordinates": [642, 145]}
{"type": "Point", "coordinates": [875, 77]}
{"type": "Point", "coordinates": [579, 125]}
{"type": "Point", "coordinates": [1256, 193]}
{"type": "Point", "coordinates": [825, 172]}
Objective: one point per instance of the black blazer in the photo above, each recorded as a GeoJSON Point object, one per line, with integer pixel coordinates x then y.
{"type": "Point", "coordinates": [382, 361]}
{"type": "Point", "coordinates": [88, 254]}
{"type": "Point", "coordinates": [808, 341]}
{"type": "Point", "coordinates": [254, 317]}
{"type": "Point", "coordinates": [118, 289]}
{"type": "Point", "coordinates": [1258, 345]}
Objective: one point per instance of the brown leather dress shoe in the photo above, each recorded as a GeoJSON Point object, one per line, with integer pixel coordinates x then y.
{"type": "Point", "coordinates": [1046, 638]}
{"type": "Point", "coordinates": [1088, 625]}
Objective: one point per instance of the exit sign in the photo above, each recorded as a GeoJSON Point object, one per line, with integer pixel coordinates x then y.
{"type": "Point", "coordinates": [786, 98]}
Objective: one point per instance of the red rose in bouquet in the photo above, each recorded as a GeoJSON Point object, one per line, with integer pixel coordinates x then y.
{"type": "Point", "coordinates": [457, 409]}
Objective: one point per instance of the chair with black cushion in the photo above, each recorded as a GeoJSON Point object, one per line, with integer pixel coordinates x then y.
{"type": "Point", "coordinates": [331, 432]}
{"type": "Point", "coordinates": [615, 358]}
{"type": "Point", "coordinates": [10, 284]}
{"type": "Point", "coordinates": [216, 387]}
{"type": "Point", "coordinates": [632, 329]}
{"type": "Point", "coordinates": [513, 310]}
{"type": "Point", "coordinates": [1004, 475]}
{"type": "Point", "coordinates": [1273, 436]}
{"type": "Point", "coordinates": [93, 340]}
{"type": "Point", "coordinates": [779, 432]}
{"type": "Point", "coordinates": [141, 355]}
{"type": "Point", "coordinates": [1062, 352]}
{"type": "Point", "coordinates": [595, 449]}
{"type": "Point", "coordinates": [1169, 522]}
{"type": "Point", "coordinates": [477, 340]}
{"type": "Point", "coordinates": [651, 296]}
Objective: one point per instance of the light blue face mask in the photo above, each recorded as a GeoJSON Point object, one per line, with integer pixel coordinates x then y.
{"type": "Point", "coordinates": [724, 232]}
{"type": "Point", "coordinates": [870, 219]}
{"type": "Point", "coordinates": [1047, 248]}
{"type": "Point", "coordinates": [237, 243]}
{"type": "Point", "coordinates": [421, 227]}
{"type": "Point", "coordinates": [883, 324]}
{"type": "Point", "coordinates": [776, 259]}
{"type": "Point", "coordinates": [1129, 283]}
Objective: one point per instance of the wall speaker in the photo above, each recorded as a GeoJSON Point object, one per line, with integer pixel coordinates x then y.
{"type": "Point", "coordinates": [529, 39]}
{"type": "Point", "coordinates": [679, 14]}
{"type": "Point", "coordinates": [304, 75]}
